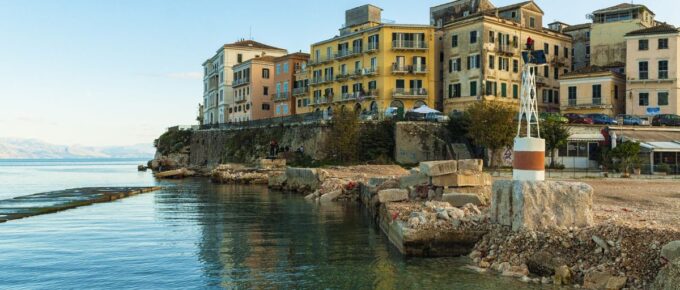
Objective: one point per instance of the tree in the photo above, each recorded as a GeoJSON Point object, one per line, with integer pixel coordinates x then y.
{"type": "Point", "coordinates": [627, 154]}
{"type": "Point", "coordinates": [492, 126]}
{"type": "Point", "coordinates": [555, 134]}
{"type": "Point", "coordinates": [343, 137]}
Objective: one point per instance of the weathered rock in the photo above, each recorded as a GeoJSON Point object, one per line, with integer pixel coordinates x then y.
{"type": "Point", "coordinates": [601, 243]}
{"type": "Point", "coordinates": [438, 168]}
{"type": "Point", "coordinates": [669, 277]}
{"type": "Point", "coordinates": [470, 165]}
{"type": "Point", "coordinates": [461, 199]}
{"type": "Point", "coordinates": [597, 280]}
{"type": "Point", "coordinates": [413, 179]}
{"type": "Point", "coordinates": [543, 263]}
{"type": "Point", "coordinates": [671, 251]}
{"type": "Point", "coordinates": [458, 180]}
{"type": "Point", "coordinates": [331, 196]}
{"type": "Point", "coordinates": [392, 195]}
{"type": "Point", "coordinates": [271, 163]}
{"type": "Point", "coordinates": [303, 179]}
{"type": "Point", "coordinates": [562, 276]}
{"type": "Point", "coordinates": [484, 192]}
{"type": "Point", "coordinates": [388, 184]}
{"type": "Point", "coordinates": [542, 205]}
{"type": "Point", "coordinates": [177, 173]}
{"type": "Point", "coordinates": [277, 180]}
{"type": "Point", "coordinates": [616, 283]}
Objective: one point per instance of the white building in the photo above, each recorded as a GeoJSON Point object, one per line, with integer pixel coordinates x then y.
{"type": "Point", "coordinates": [218, 95]}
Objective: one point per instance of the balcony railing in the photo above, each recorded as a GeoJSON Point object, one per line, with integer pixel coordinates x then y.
{"type": "Point", "coordinates": [320, 100]}
{"type": "Point", "coordinates": [409, 93]}
{"type": "Point", "coordinates": [348, 96]}
{"type": "Point", "coordinates": [316, 80]}
{"type": "Point", "coordinates": [505, 49]}
{"type": "Point", "coordinates": [281, 96]}
{"type": "Point", "coordinates": [300, 91]}
{"type": "Point", "coordinates": [399, 68]}
{"type": "Point", "coordinates": [372, 46]}
{"type": "Point", "coordinates": [328, 79]}
{"type": "Point", "coordinates": [597, 101]}
{"type": "Point", "coordinates": [369, 71]}
{"type": "Point", "coordinates": [342, 76]}
{"type": "Point", "coordinates": [239, 99]}
{"type": "Point", "coordinates": [409, 44]}
{"type": "Point", "coordinates": [343, 53]}
{"type": "Point", "coordinates": [572, 102]}
{"type": "Point", "coordinates": [419, 69]}
{"type": "Point", "coordinates": [238, 82]}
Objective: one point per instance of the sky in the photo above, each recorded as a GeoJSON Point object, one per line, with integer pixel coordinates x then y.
{"type": "Point", "coordinates": [119, 72]}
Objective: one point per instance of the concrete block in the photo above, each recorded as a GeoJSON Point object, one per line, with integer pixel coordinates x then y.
{"type": "Point", "coordinates": [483, 192]}
{"type": "Point", "coordinates": [470, 165]}
{"type": "Point", "coordinates": [392, 195]}
{"type": "Point", "coordinates": [413, 179]}
{"type": "Point", "coordinates": [458, 180]}
{"type": "Point", "coordinates": [438, 168]}
{"type": "Point", "coordinates": [271, 163]}
{"type": "Point", "coordinates": [540, 205]}
{"type": "Point", "coordinates": [461, 199]}
{"type": "Point", "coordinates": [330, 196]}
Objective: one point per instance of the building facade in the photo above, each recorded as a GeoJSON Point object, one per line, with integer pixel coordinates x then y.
{"type": "Point", "coordinates": [481, 55]}
{"type": "Point", "coordinates": [593, 90]}
{"type": "Point", "coordinates": [580, 51]}
{"type": "Point", "coordinates": [372, 65]}
{"type": "Point", "coordinates": [284, 79]}
{"type": "Point", "coordinates": [253, 89]}
{"type": "Point", "coordinates": [610, 25]}
{"type": "Point", "coordinates": [303, 101]}
{"type": "Point", "coordinates": [652, 71]}
{"type": "Point", "coordinates": [218, 95]}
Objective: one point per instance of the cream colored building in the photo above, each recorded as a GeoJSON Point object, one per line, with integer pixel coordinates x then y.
{"type": "Point", "coordinates": [481, 51]}
{"type": "Point", "coordinates": [217, 76]}
{"type": "Point", "coordinates": [610, 25]}
{"type": "Point", "coordinates": [652, 71]}
{"type": "Point", "coordinates": [373, 65]}
{"type": "Point", "coordinates": [593, 90]}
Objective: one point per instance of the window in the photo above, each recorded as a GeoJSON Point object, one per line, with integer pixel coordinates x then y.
{"type": "Point", "coordinates": [663, 69]}
{"type": "Point", "coordinates": [643, 44]}
{"type": "Point", "coordinates": [278, 69]}
{"type": "Point", "coordinates": [643, 67]}
{"type": "Point", "coordinates": [662, 98]}
{"type": "Point", "coordinates": [644, 99]}
{"type": "Point", "coordinates": [616, 92]}
{"type": "Point", "coordinates": [587, 50]}
{"type": "Point", "coordinates": [546, 48]}
{"type": "Point", "coordinates": [663, 43]}
{"type": "Point", "coordinates": [532, 22]}
{"type": "Point", "coordinates": [504, 90]}
{"type": "Point", "coordinates": [454, 91]}
{"type": "Point", "coordinates": [454, 40]}
{"type": "Point", "coordinates": [491, 62]}
{"type": "Point", "coordinates": [372, 85]}
{"type": "Point", "coordinates": [265, 107]}
{"type": "Point", "coordinates": [556, 73]}
{"type": "Point", "coordinates": [546, 71]}
{"type": "Point", "coordinates": [473, 88]}
{"type": "Point", "coordinates": [566, 52]}
{"type": "Point", "coordinates": [515, 91]}
{"type": "Point", "coordinates": [597, 94]}
{"type": "Point", "coordinates": [473, 36]}
{"type": "Point", "coordinates": [515, 42]}
{"type": "Point", "coordinates": [239, 58]}
{"type": "Point", "coordinates": [557, 97]}
{"type": "Point", "coordinates": [474, 61]}
{"type": "Point", "coordinates": [285, 67]}
{"type": "Point", "coordinates": [492, 38]}
{"type": "Point", "coordinates": [265, 73]}
{"type": "Point", "coordinates": [557, 50]}
{"type": "Point", "coordinates": [515, 65]}
{"type": "Point", "coordinates": [572, 96]}
{"type": "Point", "coordinates": [455, 65]}
{"type": "Point", "coordinates": [265, 91]}
{"type": "Point", "coordinates": [491, 88]}
{"type": "Point", "coordinates": [299, 102]}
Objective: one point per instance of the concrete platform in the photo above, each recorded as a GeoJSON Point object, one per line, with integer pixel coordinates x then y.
{"type": "Point", "coordinates": [54, 201]}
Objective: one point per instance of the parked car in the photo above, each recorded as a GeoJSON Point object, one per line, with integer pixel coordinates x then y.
{"type": "Point", "coordinates": [578, 119]}
{"type": "Point", "coordinates": [391, 113]}
{"type": "Point", "coordinates": [414, 116]}
{"type": "Point", "coordinates": [666, 120]}
{"type": "Point", "coordinates": [630, 120]}
{"type": "Point", "coordinates": [369, 115]}
{"type": "Point", "coordinates": [436, 117]}
{"type": "Point", "coordinates": [553, 117]}
{"type": "Point", "coordinates": [602, 119]}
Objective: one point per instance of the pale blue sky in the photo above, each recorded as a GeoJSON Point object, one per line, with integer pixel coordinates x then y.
{"type": "Point", "coordinates": [118, 72]}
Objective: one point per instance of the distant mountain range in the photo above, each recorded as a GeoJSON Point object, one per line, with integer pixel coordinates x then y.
{"type": "Point", "coordinates": [12, 148]}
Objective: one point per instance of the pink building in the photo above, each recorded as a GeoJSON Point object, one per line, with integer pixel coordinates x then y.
{"type": "Point", "coordinates": [253, 90]}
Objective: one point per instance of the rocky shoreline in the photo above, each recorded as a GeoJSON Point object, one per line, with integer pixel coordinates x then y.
{"type": "Point", "coordinates": [452, 215]}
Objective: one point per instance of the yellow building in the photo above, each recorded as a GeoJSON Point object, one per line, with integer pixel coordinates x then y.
{"type": "Point", "coordinates": [372, 65]}
{"type": "Point", "coordinates": [301, 89]}
{"type": "Point", "coordinates": [481, 49]}
{"type": "Point", "coordinates": [593, 90]}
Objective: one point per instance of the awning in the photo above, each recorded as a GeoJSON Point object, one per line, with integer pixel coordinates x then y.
{"type": "Point", "coordinates": [673, 146]}
{"type": "Point", "coordinates": [586, 137]}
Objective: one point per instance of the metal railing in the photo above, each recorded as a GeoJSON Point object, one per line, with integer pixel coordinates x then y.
{"type": "Point", "coordinates": [242, 81]}
{"type": "Point", "coordinates": [597, 101]}
{"type": "Point", "coordinates": [572, 102]}
{"type": "Point", "coordinates": [281, 96]}
{"type": "Point", "coordinates": [372, 46]}
{"type": "Point", "coordinates": [316, 80]}
{"type": "Point", "coordinates": [421, 92]}
{"type": "Point", "coordinates": [399, 68]}
{"type": "Point", "coordinates": [409, 44]}
{"type": "Point", "coordinates": [320, 100]}
{"type": "Point", "coordinates": [311, 117]}
{"type": "Point", "coordinates": [300, 91]}
{"type": "Point", "coordinates": [419, 69]}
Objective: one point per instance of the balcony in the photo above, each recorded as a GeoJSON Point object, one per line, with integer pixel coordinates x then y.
{"type": "Point", "coordinates": [419, 69]}
{"type": "Point", "coordinates": [409, 45]}
{"type": "Point", "coordinates": [559, 61]}
{"type": "Point", "coordinates": [320, 60]}
{"type": "Point", "coordinates": [357, 73]}
{"type": "Point", "coordinates": [410, 93]}
{"type": "Point", "coordinates": [597, 101]}
{"type": "Point", "coordinates": [348, 96]}
{"type": "Point", "coordinates": [240, 82]}
{"type": "Point", "coordinates": [320, 100]}
{"type": "Point", "coordinates": [400, 68]}
{"type": "Point", "coordinates": [316, 81]}
{"type": "Point", "coordinates": [300, 71]}
{"type": "Point", "coordinates": [372, 47]}
{"type": "Point", "coordinates": [343, 76]}
{"type": "Point", "coordinates": [300, 91]}
{"type": "Point", "coordinates": [370, 71]}
{"type": "Point", "coordinates": [506, 50]}
{"type": "Point", "coordinates": [281, 96]}
{"type": "Point", "coordinates": [595, 104]}
{"type": "Point", "coordinates": [328, 79]}
{"type": "Point", "coordinates": [572, 102]}
{"type": "Point", "coordinates": [343, 54]}
{"type": "Point", "coordinates": [239, 99]}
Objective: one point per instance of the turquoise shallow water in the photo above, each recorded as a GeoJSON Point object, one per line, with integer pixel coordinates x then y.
{"type": "Point", "coordinates": [197, 235]}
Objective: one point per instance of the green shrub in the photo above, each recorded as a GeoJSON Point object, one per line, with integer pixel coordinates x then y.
{"type": "Point", "coordinates": [173, 141]}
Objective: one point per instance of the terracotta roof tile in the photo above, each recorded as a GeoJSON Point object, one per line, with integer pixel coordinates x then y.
{"type": "Point", "coordinates": [251, 43]}
{"type": "Point", "coordinates": [659, 29]}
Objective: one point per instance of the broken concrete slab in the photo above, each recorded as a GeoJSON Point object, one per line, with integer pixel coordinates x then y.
{"type": "Point", "coordinates": [438, 168]}
{"type": "Point", "coordinates": [470, 165]}
{"type": "Point", "coordinates": [414, 179]}
{"type": "Point", "coordinates": [540, 205]}
{"type": "Point", "coordinates": [484, 192]}
{"type": "Point", "coordinates": [331, 196]}
{"type": "Point", "coordinates": [459, 180]}
{"type": "Point", "coordinates": [392, 195]}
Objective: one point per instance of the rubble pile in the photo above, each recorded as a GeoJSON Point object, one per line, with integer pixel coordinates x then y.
{"type": "Point", "coordinates": [238, 174]}
{"type": "Point", "coordinates": [592, 257]}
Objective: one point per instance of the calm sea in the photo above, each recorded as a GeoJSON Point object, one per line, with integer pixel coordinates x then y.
{"type": "Point", "coordinates": [197, 235]}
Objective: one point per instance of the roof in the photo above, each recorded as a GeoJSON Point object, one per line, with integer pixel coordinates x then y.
{"type": "Point", "coordinates": [662, 146]}
{"type": "Point", "coordinates": [620, 7]}
{"type": "Point", "coordinates": [518, 5]}
{"type": "Point", "coordinates": [590, 70]}
{"type": "Point", "coordinates": [586, 137]}
{"type": "Point", "coordinates": [577, 27]}
{"type": "Point", "coordinates": [647, 135]}
{"type": "Point", "coordinates": [251, 44]}
{"type": "Point", "coordinates": [659, 29]}
{"type": "Point", "coordinates": [264, 58]}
